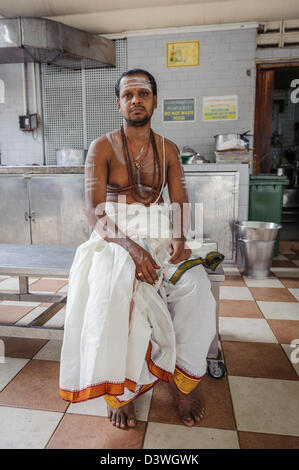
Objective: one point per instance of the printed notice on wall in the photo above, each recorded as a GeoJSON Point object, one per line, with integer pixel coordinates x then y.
{"type": "Point", "coordinates": [2, 92]}
{"type": "Point", "coordinates": [179, 110]}
{"type": "Point", "coordinates": [220, 108]}
{"type": "Point", "coordinates": [182, 54]}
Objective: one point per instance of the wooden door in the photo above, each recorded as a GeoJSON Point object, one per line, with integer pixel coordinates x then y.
{"type": "Point", "coordinates": [263, 120]}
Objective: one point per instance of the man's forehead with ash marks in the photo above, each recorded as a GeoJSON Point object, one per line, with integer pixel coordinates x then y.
{"type": "Point", "coordinates": [135, 81]}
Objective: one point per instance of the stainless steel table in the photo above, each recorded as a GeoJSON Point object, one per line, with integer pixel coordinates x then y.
{"type": "Point", "coordinates": [27, 261]}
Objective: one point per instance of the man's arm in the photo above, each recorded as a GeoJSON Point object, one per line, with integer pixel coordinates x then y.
{"type": "Point", "coordinates": [180, 204]}
{"type": "Point", "coordinates": [96, 177]}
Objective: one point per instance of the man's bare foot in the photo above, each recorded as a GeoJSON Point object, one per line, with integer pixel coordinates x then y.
{"type": "Point", "coordinates": [189, 408]}
{"type": "Point", "coordinates": [123, 417]}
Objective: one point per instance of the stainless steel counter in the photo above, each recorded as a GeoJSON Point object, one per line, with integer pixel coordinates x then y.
{"type": "Point", "coordinates": [53, 169]}
{"type": "Point", "coordinates": [44, 205]}
{"type": "Point", "coordinates": [49, 170]}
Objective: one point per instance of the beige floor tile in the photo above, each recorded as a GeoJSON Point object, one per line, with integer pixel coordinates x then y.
{"type": "Point", "coordinates": [26, 429]}
{"type": "Point", "coordinates": [280, 310]}
{"type": "Point", "coordinates": [295, 293]}
{"type": "Point", "coordinates": [31, 316]}
{"type": "Point", "coordinates": [47, 285]}
{"type": "Point", "coordinates": [50, 352]}
{"type": "Point", "coordinates": [209, 392]}
{"type": "Point", "coordinates": [9, 369]}
{"type": "Point", "coordinates": [24, 348]}
{"type": "Point", "coordinates": [231, 270]}
{"type": "Point", "coordinates": [63, 290]}
{"type": "Point", "coordinates": [253, 440]}
{"type": "Point", "coordinates": [245, 329]}
{"type": "Point", "coordinates": [287, 251]}
{"type": "Point", "coordinates": [285, 331]}
{"type": "Point", "coordinates": [94, 432]}
{"type": "Point", "coordinates": [270, 294]}
{"type": "Point", "coordinates": [235, 293]}
{"type": "Point", "coordinates": [12, 314]}
{"type": "Point", "coordinates": [172, 436]}
{"type": "Point", "coordinates": [94, 407]}
{"type": "Point", "coordinates": [58, 320]}
{"type": "Point", "coordinates": [98, 407]}
{"type": "Point", "coordinates": [293, 354]}
{"type": "Point", "coordinates": [285, 272]}
{"type": "Point", "coordinates": [20, 303]}
{"type": "Point", "coordinates": [271, 282]}
{"type": "Point", "coordinates": [239, 308]}
{"type": "Point", "coordinates": [266, 405]}
{"type": "Point", "coordinates": [236, 281]}
{"type": "Point", "coordinates": [280, 257]}
{"type": "Point", "coordinates": [12, 283]}
{"type": "Point", "coordinates": [36, 386]}
{"type": "Point", "coordinates": [264, 360]}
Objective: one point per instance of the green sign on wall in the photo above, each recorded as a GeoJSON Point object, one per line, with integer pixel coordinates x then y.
{"type": "Point", "coordinates": [179, 110]}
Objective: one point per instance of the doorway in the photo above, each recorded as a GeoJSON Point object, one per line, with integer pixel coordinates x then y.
{"type": "Point", "coordinates": [276, 140]}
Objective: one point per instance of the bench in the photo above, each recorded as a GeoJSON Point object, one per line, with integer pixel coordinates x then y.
{"type": "Point", "coordinates": [27, 261]}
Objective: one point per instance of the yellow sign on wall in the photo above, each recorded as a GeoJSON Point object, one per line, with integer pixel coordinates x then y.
{"type": "Point", "coordinates": [182, 54]}
{"type": "Point", "coordinates": [220, 108]}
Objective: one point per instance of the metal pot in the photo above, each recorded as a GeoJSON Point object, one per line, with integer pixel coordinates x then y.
{"type": "Point", "coordinates": [220, 139]}
{"type": "Point", "coordinates": [70, 157]}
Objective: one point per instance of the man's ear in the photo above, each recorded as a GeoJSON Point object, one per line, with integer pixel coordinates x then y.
{"type": "Point", "coordinates": [155, 102]}
{"type": "Point", "coordinates": [118, 103]}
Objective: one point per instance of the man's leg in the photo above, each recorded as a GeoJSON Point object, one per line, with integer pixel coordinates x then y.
{"type": "Point", "coordinates": [193, 310]}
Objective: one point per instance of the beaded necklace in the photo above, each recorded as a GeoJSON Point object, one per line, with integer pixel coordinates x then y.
{"type": "Point", "coordinates": [132, 178]}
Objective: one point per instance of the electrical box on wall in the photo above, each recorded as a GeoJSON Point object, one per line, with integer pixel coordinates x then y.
{"type": "Point", "coordinates": [29, 122]}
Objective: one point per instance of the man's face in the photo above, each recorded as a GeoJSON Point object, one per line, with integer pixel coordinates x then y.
{"type": "Point", "coordinates": [136, 101]}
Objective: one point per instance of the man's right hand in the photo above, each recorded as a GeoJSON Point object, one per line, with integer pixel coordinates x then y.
{"type": "Point", "coordinates": [145, 264]}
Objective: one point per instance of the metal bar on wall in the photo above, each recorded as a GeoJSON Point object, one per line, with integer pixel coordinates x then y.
{"type": "Point", "coordinates": [83, 77]}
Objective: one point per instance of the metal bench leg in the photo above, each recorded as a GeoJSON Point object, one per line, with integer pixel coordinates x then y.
{"type": "Point", "coordinates": [23, 285]}
{"type": "Point", "coordinates": [216, 368]}
{"type": "Point", "coordinates": [34, 329]}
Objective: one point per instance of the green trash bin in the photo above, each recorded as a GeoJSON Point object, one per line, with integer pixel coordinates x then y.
{"type": "Point", "coordinates": [265, 199]}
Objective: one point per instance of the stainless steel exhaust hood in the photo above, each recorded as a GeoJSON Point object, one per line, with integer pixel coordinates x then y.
{"type": "Point", "coordinates": [25, 39]}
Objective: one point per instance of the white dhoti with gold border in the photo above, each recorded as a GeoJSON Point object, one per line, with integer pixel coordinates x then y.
{"type": "Point", "coordinates": [122, 335]}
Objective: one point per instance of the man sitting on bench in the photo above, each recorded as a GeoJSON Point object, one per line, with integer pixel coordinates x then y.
{"type": "Point", "coordinates": [140, 307]}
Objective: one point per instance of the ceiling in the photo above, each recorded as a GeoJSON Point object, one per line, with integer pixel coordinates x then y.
{"type": "Point", "coordinates": [116, 16]}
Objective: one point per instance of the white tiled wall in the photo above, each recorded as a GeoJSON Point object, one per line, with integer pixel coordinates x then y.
{"type": "Point", "coordinates": [18, 147]}
{"type": "Point", "coordinates": [278, 53]}
{"type": "Point", "coordinates": [225, 56]}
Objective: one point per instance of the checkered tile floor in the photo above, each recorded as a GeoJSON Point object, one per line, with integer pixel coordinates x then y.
{"type": "Point", "coordinates": [256, 405]}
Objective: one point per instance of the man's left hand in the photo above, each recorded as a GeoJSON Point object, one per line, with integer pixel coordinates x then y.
{"type": "Point", "coordinates": [178, 252]}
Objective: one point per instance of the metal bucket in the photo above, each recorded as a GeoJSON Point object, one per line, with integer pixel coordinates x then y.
{"type": "Point", "coordinates": [251, 230]}
{"type": "Point", "coordinates": [257, 241]}
{"type": "Point", "coordinates": [258, 257]}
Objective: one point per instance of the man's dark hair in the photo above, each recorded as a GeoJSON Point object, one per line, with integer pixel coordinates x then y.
{"type": "Point", "coordinates": [135, 72]}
